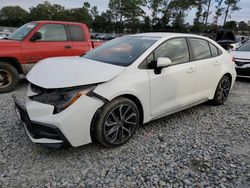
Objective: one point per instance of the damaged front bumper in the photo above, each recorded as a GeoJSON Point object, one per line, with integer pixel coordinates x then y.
{"type": "Point", "coordinates": [70, 127]}
{"type": "Point", "coordinates": [41, 133]}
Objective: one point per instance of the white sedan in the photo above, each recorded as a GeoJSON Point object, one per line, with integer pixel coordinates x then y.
{"type": "Point", "coordinates": [105, 94]}
{"type": "Point", "coordinates": [242, 60]}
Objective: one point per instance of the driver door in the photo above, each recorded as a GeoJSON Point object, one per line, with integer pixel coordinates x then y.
{"type": "Point", "coordinates": [54, 43]}
{"type": "Point", "coordinates": [173, 88]}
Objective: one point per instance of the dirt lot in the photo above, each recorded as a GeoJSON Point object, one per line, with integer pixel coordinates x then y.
{"type": "Point", "coordinates": [204, 146]}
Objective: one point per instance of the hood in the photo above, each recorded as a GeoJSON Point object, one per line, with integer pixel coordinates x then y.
{"type": "Point", "coordinates": [63, 72]}
{"type": "Point", "coordinates": [9, 43]}
{"type": "Point", "coordinates": [241, 54]}
{"type": "Point", "coordinates": [225, 36]}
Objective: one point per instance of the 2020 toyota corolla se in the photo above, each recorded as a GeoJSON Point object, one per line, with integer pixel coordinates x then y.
{"type": "Point", "coordinates": [108, 92]}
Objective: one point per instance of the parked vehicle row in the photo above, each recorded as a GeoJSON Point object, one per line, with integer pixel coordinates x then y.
{"type": "Point", "coordinates": [227, 39]}
{"type": "Point", "coordinates": [105, 94]}
{"type": "Point", "coordinates": [104, 36]}
{"type": "Point", "coordinates": [36, 41]}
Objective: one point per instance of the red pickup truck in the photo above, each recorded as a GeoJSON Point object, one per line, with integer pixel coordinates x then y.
{"type": "Point", "coordinates": [38, 40]}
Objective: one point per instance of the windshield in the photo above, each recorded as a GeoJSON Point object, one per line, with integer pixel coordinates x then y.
{"type": "Point", "coordinates": [22, 32]}
{"type": "Point", "coordinates": [245, 47]}
{"type": "Point", "coordinates": [122, 51]}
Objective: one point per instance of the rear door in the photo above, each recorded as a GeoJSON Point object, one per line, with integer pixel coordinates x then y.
{"type": "Point", "coordinates": [208, 67]}
{"type": "Point", "coordinates": [54, 43]}
{"type": "Point", "coordinates": [173, 88]}
{"type": "Point", "coordinates": [79, 40]}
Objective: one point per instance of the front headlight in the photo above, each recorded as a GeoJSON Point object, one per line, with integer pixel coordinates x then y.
{"type": "Point", "coordinates": [62, 98]}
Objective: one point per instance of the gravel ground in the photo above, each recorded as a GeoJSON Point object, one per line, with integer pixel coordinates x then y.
{"type": "Point", "coordinates": [204, 146]}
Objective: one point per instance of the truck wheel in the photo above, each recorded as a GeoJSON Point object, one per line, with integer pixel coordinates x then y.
{"type": "Point", "coordinates": [9, 78]}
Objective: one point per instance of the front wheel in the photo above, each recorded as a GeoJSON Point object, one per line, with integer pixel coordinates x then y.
{"type": "Point", "coordinates": [117, 122]}
{"type": "Point", "coordinates": [222, 91]}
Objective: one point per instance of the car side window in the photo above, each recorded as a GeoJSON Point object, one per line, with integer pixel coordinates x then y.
{"type": "Point", "coordinates": [214, 50]}
{"type": "Point", "coordinates": [174, 49]}
{"type": "Point", "coordinates": [76, 33]}
{"type": "Point", "coordinates": [53, 32]}
{"type": "Point", "coordinates": [200, 49]}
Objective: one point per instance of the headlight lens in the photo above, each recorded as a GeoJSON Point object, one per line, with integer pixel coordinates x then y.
{"type": "Point", "coordinates": [62, 98]}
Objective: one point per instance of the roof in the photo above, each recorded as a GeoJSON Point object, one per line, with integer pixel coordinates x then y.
{"type": "Point", "coordinates": [58, 22]}
{"type": "Point", "coordinates": [167, 34]}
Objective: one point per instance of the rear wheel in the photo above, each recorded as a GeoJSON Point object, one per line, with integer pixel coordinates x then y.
{"type": "Point", "coordinates": [117, 122]}
{"type": "Point", "coordinates": [222, 91]}
{"type": "Point", "coordinates": [9, 78]}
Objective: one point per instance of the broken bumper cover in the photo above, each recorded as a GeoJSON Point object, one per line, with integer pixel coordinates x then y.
{"type": "Point", "coordinates": [70, 127]}
{"type": "Point", "coordinates": [45, 134]}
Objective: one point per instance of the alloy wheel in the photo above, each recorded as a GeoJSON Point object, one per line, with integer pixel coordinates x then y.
{"type": "Point", "coordinates": [120, 124]}
{"type": "Point", "coordinates": [223, 90]}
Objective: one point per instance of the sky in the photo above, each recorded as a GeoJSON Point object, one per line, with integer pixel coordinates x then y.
{"type": "Point", "coordinates": [242, 15]}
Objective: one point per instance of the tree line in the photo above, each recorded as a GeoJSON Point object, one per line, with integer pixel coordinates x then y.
{"type": "Point", "coordinates": [132, 15]}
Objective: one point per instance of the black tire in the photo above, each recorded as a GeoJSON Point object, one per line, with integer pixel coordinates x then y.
{"type": "Point", "coordinates": [222, 91]}
{"type": "Point", "coordinates": [116, 122]}
{"type": "Point", "coordinates": [9, 78]}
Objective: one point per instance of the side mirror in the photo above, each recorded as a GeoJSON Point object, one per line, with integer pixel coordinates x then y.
{"type": "Point", "coordinates": [163, 62]}
{"type": "Point", "coordinates": [36, 36]}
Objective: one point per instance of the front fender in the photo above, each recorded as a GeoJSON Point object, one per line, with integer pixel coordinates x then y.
{"type": "Point", "coordinates": [134, 83]}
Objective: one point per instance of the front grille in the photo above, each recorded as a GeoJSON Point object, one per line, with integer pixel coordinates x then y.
{"type": "Point", "coordinates": [240, 63]}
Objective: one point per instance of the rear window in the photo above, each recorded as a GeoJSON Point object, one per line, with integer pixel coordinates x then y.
{"type": "Point", "coordinates": [76, 33]}
{"type": "Point", "coordinates": [214, 50]}
{"type": "Point", "coordinates": [200, 49]}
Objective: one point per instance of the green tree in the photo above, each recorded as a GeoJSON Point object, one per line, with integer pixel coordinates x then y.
{"type": "Point", "coordinates": [132, 10]}
{"type": "Point", "coordinates": [128, 13]}
{"type": "Point", "coordinates": [242, 26]}
{"type": "Point", "coordinates": [94, 11]}
{"type": "Point", "coordinates": [116, 8]}
{"type": "Point", "coordinates": [178, 9]}
{"type": "Point", "coordinates": [231, 25]}
{"type": "Point", "coordinates": [81, 15]}
{"type": "Point", "coordinates": [146, 24]}
{"type": "Point", "coordinates": [155, 5]}
{"type": "Point", "coordinates": [219, 9]}
{"type": "Point", "coordinates": [198, 21]}
{"type": "Point", "coordinates": [13, 16]}
{"type": "Point", "coordinates": [47, 11]}
{"type": "Point", "coordinates": [166, 14]}
{"type": "Point", "coordinates": [231, 6]}
{"type": "Point", "coordinates": [109, 27]}
{"type": "Point", "coordinates": [86, 5]}
{"type": "Point", "coordinates": [207, 12]}
{"type": "Point", "coordinates": [99, 23]}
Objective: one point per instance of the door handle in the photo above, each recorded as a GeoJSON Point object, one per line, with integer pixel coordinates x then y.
{"type": "Point", "coordinates": [191, 70]}
{"type": "Point", "coordinates": [67, 47]}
